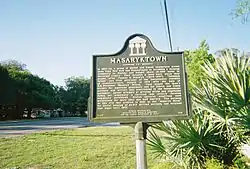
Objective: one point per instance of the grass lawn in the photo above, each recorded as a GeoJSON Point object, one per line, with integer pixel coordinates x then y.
{"type": "Point", "coordinates": [86, 148]}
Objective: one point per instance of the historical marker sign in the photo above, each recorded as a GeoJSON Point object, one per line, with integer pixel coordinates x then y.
{"type": "Point", "coordinates": [139, 83]}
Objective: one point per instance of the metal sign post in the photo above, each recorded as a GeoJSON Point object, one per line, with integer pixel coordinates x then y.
{"type": "Point", "coordinates": [140, 136]}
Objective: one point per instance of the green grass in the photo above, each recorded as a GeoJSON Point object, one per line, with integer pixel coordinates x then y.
{"type": "Point", "coordinates": [86, 148]}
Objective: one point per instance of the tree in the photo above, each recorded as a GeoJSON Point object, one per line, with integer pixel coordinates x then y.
{"type": "Point", "coordinates": [37, 92]}
{"type": "Point", "coordinates": [60, 94]}
{"type": "Point", "coordinates": [18, 96]}
{"type": "Point", "coordinates": [25, 90]}
{"type": "Point", "coordinates": [194, 60]}
{"type": "Point", "coordinates": [234, 51]}
{"type": "Point", "coordinates": [14, 65]}
{"type": "Point", "coordinates": [7, 95]}
{"type": "Point", "coordinates": [242, 10]}
{"type": "Point", "coordinates": [4, 86]}
{"type": "Point", "coordinates": [76, 95]}
{"type": "Point", "coordinates": [31, 91]}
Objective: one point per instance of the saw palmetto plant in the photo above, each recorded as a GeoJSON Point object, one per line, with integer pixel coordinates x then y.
{"type": "Point", "coordinates": [221, 116]}
{"type": "Point", "coordinates": [190, 141]}
{"type": "Point", "coordinates": [226, 93]}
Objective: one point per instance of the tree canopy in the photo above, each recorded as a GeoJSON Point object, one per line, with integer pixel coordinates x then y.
{"type": "Point", "coordinates": [74, 96]}
{"type": "Point", "coordinates": [14, 65]}
{"type": "Point", "coordinates": [6, 87]}
{"type": "Point", "coordinates": [24, 90]}
{"type": "Point", "coordinates": [242, 10]}
{"type": "Point", "coordinates": [194, 60]}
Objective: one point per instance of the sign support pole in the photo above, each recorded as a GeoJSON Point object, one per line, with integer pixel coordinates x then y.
{"type": "Point", "coordinates": [140, 136]}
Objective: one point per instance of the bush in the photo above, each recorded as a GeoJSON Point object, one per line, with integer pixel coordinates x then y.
{"type": "Point", "coordinates": [221, 117]}
{"type": "Point", "coordinates": [241, 163]}
{"type": "Point", "coordinates": [214, 164]}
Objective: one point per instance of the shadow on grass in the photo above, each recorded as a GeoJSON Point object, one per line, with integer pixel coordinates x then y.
{"type": "Point", "coordinates": [87, 135]}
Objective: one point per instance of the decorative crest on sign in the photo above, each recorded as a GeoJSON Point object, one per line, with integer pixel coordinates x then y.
{"type": "Point", "coordinates": [137, 46]}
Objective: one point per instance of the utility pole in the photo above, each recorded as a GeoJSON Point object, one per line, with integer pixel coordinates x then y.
{"type": "Point", "coordinates": [168, 27]}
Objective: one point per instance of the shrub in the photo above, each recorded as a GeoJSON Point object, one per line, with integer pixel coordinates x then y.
{"type": "Point", "coordinates": [214, 164]}
{"type": "Point", "coordinates": [221, 117]}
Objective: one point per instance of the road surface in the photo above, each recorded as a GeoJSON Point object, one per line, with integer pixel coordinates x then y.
{"type": "Point", "coordinates": [21, 127]}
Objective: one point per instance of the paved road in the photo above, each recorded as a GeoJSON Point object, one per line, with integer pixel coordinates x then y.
{"type": "Point", "coordinates": [21, 127]}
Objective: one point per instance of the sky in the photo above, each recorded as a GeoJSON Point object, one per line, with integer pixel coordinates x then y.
{"type": "Point", "coordinates": [57, 38]}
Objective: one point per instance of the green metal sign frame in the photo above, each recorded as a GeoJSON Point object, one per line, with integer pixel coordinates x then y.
{"type": "Point", "coordinates": [167, 112]}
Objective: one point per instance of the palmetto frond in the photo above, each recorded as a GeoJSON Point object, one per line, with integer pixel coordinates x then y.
{"type": "Point", "coordinates": [231, 77]}
{"type": "Point", "coordinates": [226, 93]}
{"type": "Point", "coordinates": [191, 140]}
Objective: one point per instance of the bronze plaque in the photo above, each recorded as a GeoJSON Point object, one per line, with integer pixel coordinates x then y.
{"type": "Point", "coordinates": [139, 83]}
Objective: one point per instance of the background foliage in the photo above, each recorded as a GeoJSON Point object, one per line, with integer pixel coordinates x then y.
{"type": "Point", "coordinates": [21, 90]}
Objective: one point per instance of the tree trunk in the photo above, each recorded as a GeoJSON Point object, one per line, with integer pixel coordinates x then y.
{"type": "Point", "coordinates": [29, 113]}
{"type": "Point", "coordinates": [18, 112]}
